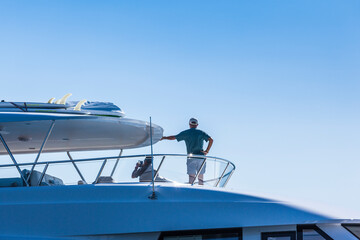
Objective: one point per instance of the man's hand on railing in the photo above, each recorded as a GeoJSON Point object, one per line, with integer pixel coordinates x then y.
{"type": "Point", "coordinates": [205, 152]}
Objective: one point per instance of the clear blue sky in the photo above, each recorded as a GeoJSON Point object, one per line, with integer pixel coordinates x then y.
{"type": "Point", "coordinates": [275, 83]}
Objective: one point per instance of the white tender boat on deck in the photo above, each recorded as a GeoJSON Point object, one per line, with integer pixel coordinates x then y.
{"type": "Point", "coordinates": [95, 198]}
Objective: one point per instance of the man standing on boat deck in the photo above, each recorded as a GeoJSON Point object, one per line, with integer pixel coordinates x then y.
{"type": "Point", "coordinates": [194, 140]}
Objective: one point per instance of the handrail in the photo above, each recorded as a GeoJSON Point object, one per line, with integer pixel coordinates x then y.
{"type": "Point", "coordinates": [223, 177]}
{"type": "Point", "coordinates": [115, 157]}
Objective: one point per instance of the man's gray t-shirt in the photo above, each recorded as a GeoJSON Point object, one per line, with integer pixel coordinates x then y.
{"type": "Point", "coordinates": [194, 140]}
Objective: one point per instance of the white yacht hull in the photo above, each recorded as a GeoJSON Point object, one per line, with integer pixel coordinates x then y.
{"type": "Point", "coordinates": [118, 209]}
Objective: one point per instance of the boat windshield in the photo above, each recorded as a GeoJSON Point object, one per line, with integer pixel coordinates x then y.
{"type": "Point", "coordinates": [353, 228]}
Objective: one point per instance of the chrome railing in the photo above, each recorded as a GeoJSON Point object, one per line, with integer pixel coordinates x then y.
{"type": "Point", "coordinates": [171, 166]}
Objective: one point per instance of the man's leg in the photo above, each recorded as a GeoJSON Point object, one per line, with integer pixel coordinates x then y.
{"type": "Point", "coordinates": [191, 178]}
{"type": "Point", "coordinates": [191, 170]}
{"type": "Point", "coordinates": [201, 179]}
{"type": "Point", "coordinates": [201, 173]}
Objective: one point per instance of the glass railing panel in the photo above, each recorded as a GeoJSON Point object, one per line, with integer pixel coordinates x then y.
{"type": "Point", "coordinates": [89, 170]}
{"type": "Point", "coordinates": [10, 177]}
{"type": "Point", "coordinates": [124, 170]}
{"type": "Point", "coordinates": [227, 174]}
{"type": "Point", "coordinates": [63, 173]}
{"type": "Point", "coordinates": [172, 167]}
{"type": "Point", "coordinates": [9, 172]}
{"type": "Point", "coordinates": [212, 172]}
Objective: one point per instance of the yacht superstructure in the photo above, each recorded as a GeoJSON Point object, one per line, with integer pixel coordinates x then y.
{"type": "Point", "coordinates": [95, 198]}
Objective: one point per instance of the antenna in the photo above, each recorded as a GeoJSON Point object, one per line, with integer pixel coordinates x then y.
{"type": "Point", "coordinates": [153, 195]}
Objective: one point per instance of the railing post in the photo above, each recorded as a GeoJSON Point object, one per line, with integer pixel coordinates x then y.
{"type": "Point", "coordinates": [41, 148]}
{"type": "Point", "coordinates": [231, 173]}
{"type": "Point", "coordinates": [117, 161]}
{"type": "Point", "coordinates": [13, 159]}
{"type": "Point", "coordinates": [101, 169]}
{"type": "Point", "coordinates": [198, 173]}
{"type": "Point", "coordinates": [157, 171]}
{"type": "Point", "coordinates": [42, 174]}
{"type": "Point", "coordinates": [76, 168]}
{"type": "Point", "coordinates": [217, 183]}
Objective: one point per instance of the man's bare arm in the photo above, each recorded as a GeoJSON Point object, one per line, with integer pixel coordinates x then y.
{"type": "Point", "coordinates": [168, 138]}
{"type": "Point", "coordinates": [209, 146]}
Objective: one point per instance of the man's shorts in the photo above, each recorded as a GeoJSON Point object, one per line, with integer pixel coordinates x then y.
{"type": "Point", "coordinates": [194, 165]}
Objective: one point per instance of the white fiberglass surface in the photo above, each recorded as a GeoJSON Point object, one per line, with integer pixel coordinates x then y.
{"type": "Point", "coordinates": [77, 134]}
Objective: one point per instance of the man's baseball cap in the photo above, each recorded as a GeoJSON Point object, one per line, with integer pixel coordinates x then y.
{"type": "Point", "coordinates": [193, 121]}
